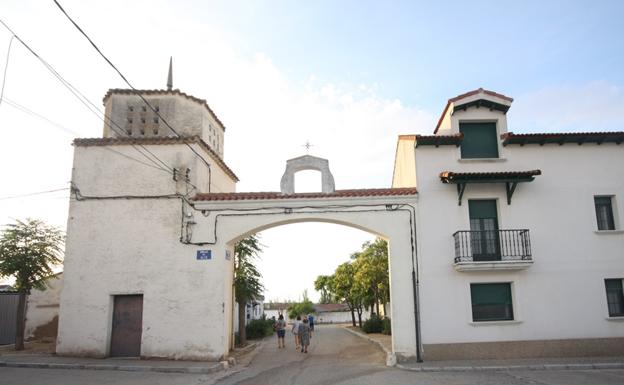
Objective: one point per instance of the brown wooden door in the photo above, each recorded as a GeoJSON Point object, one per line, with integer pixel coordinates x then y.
{"type": "Point", "coordinates": [127, 326]}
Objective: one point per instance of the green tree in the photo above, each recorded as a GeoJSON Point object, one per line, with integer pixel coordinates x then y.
{"type": "Point", "coordinates": [247, 279]}
{"type": "Point", "coordinates": [300, 308]}
{"type": "Point", "coordinates": [322, 284]}
{"type": "Point", "coordinates": [372, 273]}
{"type": "Point", "coordinates": [342, 286]}
{"type": "Point", "coordinates": [28, 252]}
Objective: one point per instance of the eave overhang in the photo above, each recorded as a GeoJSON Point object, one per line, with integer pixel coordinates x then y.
{"type": "Point", "coordinates": [491, 105]}
{"type": "Point", "coordinates": [509, 178]}
{"type": "Point", "coordinates": [579, 138]}
{"type": "Point", "coordinates": [439, 140]}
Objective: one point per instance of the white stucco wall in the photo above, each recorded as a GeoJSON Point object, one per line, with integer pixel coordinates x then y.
{"type": "Point", "coordinates": [562, 295]}
{"type": "Point", "coordinates": [132, 246]}
{"type": "Point", "coordinates": [43, 305]}
{"type": "Point", "coordinates": [394, 226]}
{"type": "Point", "coordinates": [186, 116]}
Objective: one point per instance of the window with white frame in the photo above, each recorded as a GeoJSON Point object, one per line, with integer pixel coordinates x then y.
{"type": "Point", "coordinates": [615, 297]}
{"type": "Point", "coordinates": [604, 212]}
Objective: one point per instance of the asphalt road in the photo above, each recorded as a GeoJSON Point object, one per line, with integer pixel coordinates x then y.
{"type": "Point", "coordinates": [335, 357]}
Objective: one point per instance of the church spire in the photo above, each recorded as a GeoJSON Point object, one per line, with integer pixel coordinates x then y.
{"type": "Point", "coordinates": [170, 76]}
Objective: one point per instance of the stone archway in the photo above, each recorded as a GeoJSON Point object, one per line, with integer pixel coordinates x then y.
{"type": "Point", "coordinates": [307, 162]}
{"type": "Point", "coordinates": [388, 213]}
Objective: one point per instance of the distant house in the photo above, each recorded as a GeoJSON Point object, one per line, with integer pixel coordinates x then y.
{"type": "Point", "coordinates": [274, 309]}
{"type": "Point", "coordinates": [6, 288]}
{"type": "Point", "coordinates": [332, 313]}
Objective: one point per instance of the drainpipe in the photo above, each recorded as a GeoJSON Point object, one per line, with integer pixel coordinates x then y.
{"type": "Point", "coordinates": [416, 315]}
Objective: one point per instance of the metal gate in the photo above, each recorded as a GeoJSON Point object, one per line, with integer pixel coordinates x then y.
{"type": "Point", "coordinates": [8, 317]}
{"type": "Point", "coordinates": [127, 326]}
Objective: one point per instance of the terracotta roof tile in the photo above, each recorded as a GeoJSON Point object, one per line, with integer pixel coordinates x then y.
{"type": "Point", "coordinates": [451, 177]}
{"type": "Point", "coordinates": [122, 91]}
{"type": "Point", "coordinates": [157, 140]}
{"type": "Point", "coordinates": [439, 140]}
{"type": "Point", "coordinates": [238, 196]}
{"type": "Point", "coordinates": [562, 138]}
{"type": "Point", "coordinates": [465, 95]}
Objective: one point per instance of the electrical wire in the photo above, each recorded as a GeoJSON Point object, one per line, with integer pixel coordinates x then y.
{"type": "Point", "coordinates": [136, 92]}
{"type": "Point", "coordinates": [6, 66]}
{"type": "Point", "coordinates": [34, 193]}
{"type": "Point", "coordinates": [28, 111]}
{"type": "Point", "coordinates": [92, 107]}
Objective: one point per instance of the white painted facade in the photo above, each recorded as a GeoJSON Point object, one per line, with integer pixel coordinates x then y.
{"type": "Point", "coordinates": [43, 307]}
{"type": "Point", "coordinates": [133, 229]}
{"type": "Point", "coordinates": [561, 295]}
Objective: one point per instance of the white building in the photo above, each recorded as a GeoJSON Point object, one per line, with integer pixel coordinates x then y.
{"type": "Point", "coordinates": [520, 236]}
{"type": "Point", "coordinates": [134, 282]}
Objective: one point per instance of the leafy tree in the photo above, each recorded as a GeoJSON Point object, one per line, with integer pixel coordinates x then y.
{"type": "Point", "coordinates": [372, 273]}
{"type": "Point", "coordinates": [300, 308]}
{"type": "Point", "coordinates": [322, 284]}
{"type": "Point", "coordinates": [28, 251]}
{"type": "Point", "coordinates": [342, 286]}
{"type": "Point", "coordinates": [247, 284]}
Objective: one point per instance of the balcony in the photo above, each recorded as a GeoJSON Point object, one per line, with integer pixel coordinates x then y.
{"type": "Point", "coordinates": [492, 250]}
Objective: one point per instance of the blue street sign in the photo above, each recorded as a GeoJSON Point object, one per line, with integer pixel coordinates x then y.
{"type": "Point", "coordinates": [204, 255]}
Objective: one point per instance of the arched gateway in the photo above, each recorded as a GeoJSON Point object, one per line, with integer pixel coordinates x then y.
{"type": "Point", "coordinates": [148, 263]}
{"type": "Point", "coordinates": [388, 213]}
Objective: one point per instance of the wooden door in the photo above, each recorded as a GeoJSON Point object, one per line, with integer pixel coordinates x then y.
{"type": "Point", "coordinates": [127, 326]}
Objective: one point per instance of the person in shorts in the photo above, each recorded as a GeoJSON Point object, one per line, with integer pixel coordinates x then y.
{"type": "Point", "coordinates": [280, 328]}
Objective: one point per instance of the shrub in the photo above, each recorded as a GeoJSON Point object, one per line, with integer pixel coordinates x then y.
{"type": "Point", "coordinates": [386, 329]}
{"type": "Point", "coordinates": [373, 325]}
{"type": "Point", "coordinates": [259, 328]}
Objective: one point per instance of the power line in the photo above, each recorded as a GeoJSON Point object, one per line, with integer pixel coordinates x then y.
{"type": "Point", "coordinates": [87, 103]}
{"type": "Point", "coordinates": [28, 111]}
{"type": "Point", "coordinates": [34, 193]}
{"type": "Point", "coordinates": [6, 66]}
{"type": "Point", "coordinates": [134, 89]}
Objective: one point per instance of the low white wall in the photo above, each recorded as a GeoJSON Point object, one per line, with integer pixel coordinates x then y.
{"type": "Point", "coordinates": [43, 308]}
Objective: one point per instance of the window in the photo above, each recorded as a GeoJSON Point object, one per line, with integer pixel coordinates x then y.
{"type": "Point", "coordinates": [604, 213]}
{"type": "Point", "coordinates": [479, 141]}
{"type": "Point", "coordinates": [491, 302]}
{"type": "Point", "coordinates": [615, 297]}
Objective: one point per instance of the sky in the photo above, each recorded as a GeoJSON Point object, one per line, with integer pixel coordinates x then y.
{"type": "Point", "coordinates": [347, 76]}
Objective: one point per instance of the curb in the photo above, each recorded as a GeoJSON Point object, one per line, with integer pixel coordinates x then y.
{"type": "Point", "coordinates": [391, 361]}
{"type": "Point", "coordinates": [498, 368]}
{"type": "Point", "coordinates": [223, 365]}
{"type": "Point", "coordinates": [390, 357]}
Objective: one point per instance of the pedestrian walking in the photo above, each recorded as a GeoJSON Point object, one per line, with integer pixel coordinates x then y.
{"type": "Point", "coordinates": [280, 328]}
{"type": "Point", "coordinates": [304, 335]}
{"type": "Point", "coordinates": [311, 323]}
{"type": "Point", "coordinates": [295, 330]}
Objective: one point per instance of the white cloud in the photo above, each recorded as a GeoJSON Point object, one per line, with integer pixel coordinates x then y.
{"type": "Point", "coordinates": [595, 106]}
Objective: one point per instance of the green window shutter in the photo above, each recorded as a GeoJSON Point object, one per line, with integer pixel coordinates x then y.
{"type": "Point", "coordinates": [491, 302]}
{"type": "Point", "coordinates": [480, 140]}
{"type": "Point", "coordinates": [481, 209]}
{"type": "Point", "coordinates": [490, 293]}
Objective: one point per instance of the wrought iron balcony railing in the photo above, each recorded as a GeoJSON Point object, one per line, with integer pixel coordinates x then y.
{"type": "Point", "coordinates": [492, 245]}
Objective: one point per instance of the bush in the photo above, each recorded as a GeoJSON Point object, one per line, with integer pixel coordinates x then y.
{"type": "Point", "coordinates": [259, 328]}
{"type": "Point", "coordinates": [373, 325]}
{"type": "Point", "coordinates": [387, 329]}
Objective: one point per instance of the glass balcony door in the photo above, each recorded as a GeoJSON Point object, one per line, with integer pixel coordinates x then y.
{"type": "Point", "coordinates": [484, 236]}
